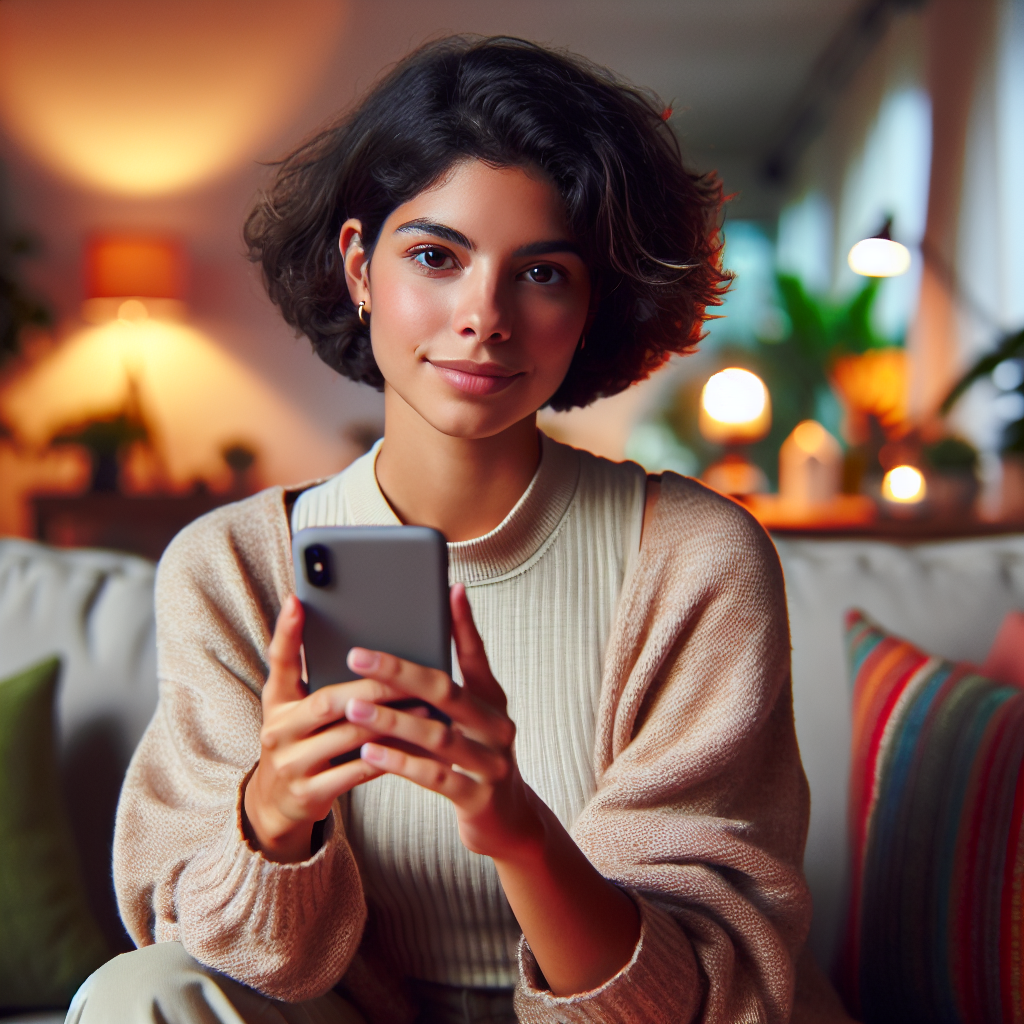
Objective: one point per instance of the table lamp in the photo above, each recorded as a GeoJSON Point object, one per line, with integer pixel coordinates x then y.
{"type": "Point", "coordinates": [735, 410]}
{"type": "Point", "coordinates": [130, 277]}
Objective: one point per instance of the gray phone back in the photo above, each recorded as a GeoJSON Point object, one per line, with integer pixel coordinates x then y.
{"type": "Point", "coordinates": [380, 587]}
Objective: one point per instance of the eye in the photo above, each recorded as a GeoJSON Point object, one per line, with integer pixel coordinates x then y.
{"type": "Point", "coordinates": [435, 259]}
{"type": "Point", "coordinates": [543, 274]}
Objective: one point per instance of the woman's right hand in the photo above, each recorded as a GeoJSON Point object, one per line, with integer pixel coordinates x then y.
{"type": "Point", "coordinates": [294, 783]}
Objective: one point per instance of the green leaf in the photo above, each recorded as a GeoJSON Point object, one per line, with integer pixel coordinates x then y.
{"type": "Point", "coordinates": [1010, 347]}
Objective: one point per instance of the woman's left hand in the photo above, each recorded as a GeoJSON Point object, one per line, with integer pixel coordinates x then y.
{"type": "Point", "coordinates": [471, 761]}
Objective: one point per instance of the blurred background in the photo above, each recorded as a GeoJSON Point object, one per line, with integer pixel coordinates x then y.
{"type": "Point", "coordinates": [145, 377]}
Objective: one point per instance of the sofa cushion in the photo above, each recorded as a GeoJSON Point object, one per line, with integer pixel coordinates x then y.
{"type": "Point", "coordinates": [49, 941]}
{"type": "Point", "coordinates": [947, 597]}
{"type": "Point", "coordinates": [936, 802]}
{"type": "Point", "coordinates": [95, 610]}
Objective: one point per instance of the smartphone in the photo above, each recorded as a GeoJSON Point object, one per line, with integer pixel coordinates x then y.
{"type": "Point", "coordinates": [380, 587]}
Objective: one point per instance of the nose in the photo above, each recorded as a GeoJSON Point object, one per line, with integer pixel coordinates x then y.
{"type": "Point", "coordinates": [483, 311]}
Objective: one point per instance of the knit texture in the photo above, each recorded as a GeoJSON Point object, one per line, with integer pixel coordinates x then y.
{"type": "Point", "coordinates": [543, 585]}
{"type": "Point", "coordinates": [700, 807]}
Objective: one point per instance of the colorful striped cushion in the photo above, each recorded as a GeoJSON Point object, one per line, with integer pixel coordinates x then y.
{"type": "Point", "coordinates": [936, 821]}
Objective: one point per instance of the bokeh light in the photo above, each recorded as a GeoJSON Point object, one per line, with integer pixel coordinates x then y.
{"type": "Point", "coordinates": [903, 484]}
{"type": "Point", "coordinates": [734, 407]}
{"type": "Point", "coordinates": [734, 396]}
{"type": "Point", "coordinates": [879, 257]}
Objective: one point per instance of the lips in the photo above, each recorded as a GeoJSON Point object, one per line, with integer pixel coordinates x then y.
{"type": "Point", "coordinates": [476, 378]}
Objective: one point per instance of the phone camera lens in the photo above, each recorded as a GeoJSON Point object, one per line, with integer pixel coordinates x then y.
{"type": "Point", "coordinates": [318, 565]}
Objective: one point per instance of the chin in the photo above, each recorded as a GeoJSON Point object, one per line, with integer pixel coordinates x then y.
{"type": "Point", "coordinates": [472, 428]}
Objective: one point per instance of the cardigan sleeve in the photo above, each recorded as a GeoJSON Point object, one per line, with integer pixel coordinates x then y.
{"type": "Point", "coordinates": [701, 805]}
{"type": "Point", "coordinates": [183, 869]}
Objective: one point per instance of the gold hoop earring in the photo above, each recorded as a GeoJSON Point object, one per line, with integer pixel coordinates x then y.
{"type": "Point", "coordinates": [359, 313]}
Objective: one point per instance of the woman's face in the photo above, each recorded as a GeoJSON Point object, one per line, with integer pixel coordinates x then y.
{"type": "Point", "coordinates": [477, 298]}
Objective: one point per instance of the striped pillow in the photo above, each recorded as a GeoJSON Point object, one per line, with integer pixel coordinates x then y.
{"type": "Point", "coordinates": [936, 806]}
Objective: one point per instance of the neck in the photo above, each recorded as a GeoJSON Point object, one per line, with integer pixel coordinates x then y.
{"type": "Point", "coordinates": [463, 487]}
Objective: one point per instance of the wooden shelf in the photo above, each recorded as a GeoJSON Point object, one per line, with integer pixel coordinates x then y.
{"type": "Point", "coordinates": [139, 524]}
{"type": "Point", "coordinates": [856, 516]}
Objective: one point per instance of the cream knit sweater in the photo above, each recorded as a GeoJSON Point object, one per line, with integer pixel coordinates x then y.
{"type": "Point", "coordinates": [700, 809]}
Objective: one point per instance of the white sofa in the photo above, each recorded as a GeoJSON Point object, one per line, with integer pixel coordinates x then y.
{"type": "Point", "coordinates": [95, 608]}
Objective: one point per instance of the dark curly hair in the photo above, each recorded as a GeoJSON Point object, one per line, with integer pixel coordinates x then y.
{"type": "Point", "coordinates": [648, 228]}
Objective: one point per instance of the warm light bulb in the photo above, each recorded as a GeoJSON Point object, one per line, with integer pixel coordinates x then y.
{"type": "Point", "coordinates": [735, 407]}
{"type": "Point", "coordinates": [903, 484]}
{"type": "Point", "coordinates": [734, 396]}
{"type": "Point", "coordinates": [879, 257]}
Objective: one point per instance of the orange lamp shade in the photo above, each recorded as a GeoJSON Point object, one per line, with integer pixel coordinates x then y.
{"type": "Point", "coordinates": [146, 266]}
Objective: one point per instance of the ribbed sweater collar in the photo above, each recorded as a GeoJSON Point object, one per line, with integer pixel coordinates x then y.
{"type": "Point", "coordinates": [514, 540]}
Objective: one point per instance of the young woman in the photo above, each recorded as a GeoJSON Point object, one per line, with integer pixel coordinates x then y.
{"type": "Point", "coordinates": [613, 825]}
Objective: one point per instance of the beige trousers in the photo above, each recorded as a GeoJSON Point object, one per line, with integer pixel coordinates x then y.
{"type": "Point", "coordinates": [162, 984]}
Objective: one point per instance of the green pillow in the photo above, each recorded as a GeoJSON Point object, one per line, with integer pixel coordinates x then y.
{"type": "Point", "coordinates": [49, 941]}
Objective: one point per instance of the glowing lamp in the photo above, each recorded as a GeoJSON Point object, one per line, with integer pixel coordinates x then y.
{"type": "Point", "coordinates": [903, 485]}
{"type": "Point", "coordinates": [879, 256]}
{"type": "Point", "coordinates": [810, 465]}
{"type": "Point", "coordinates": [144, 266]}
{"type": "Point", "coordinates": [734, 408]}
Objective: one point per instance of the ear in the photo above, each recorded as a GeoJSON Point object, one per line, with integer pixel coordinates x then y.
{"type": "Point", "coordinates": [357, 263]}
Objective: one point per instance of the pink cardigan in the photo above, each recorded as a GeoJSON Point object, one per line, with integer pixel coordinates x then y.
{"type": "Point", "coordinates": [700, 811]}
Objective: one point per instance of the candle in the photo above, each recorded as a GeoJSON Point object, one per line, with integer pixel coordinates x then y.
{"type": "Point", "coordinates": [810, 465]}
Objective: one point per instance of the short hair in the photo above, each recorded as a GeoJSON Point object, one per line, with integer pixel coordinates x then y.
{"type": "Point", "coordinates": [648, 228]}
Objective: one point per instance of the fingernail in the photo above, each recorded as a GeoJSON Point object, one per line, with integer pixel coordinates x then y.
{"type": "Point", "coordinates": [373, 754]}
{"type": "Point", "coordinates": [359, 710]}
{"type": "Point", "coordinates": [361, 660]}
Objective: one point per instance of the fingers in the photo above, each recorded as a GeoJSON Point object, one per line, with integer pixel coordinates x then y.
{"type": "Point", "coordinates": [314, 753]}
{"type": "Point", "coordinates": [469, 646]}
{"type": "Point", "coordinates": [309, 798]}
{"type": "Point", "coordinates": [317, 792]}
{"type": "Point", "coordinates": [424, 771]}
{"type": "Point", "coordinates": [445, 742]}
{"type": "Point", "coordinates": [322, 708]}
{"type": "Point", "coordinates": [284, 682]}
{"type": "Point", "coordinates": [437, 688]}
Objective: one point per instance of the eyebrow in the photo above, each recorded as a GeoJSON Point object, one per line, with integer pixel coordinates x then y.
{"type": "Point", "coordinates": [429, 227]}
{"type": "Point", "coordinates": [544, 248]}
